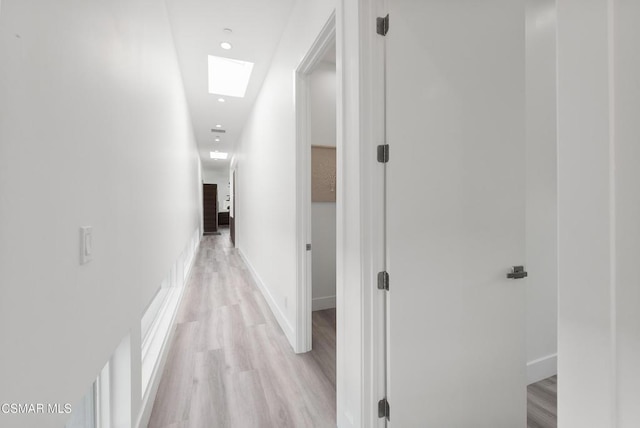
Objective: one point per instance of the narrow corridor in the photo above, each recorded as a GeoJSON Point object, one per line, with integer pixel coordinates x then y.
{"type": "Point", "coordinates": [230, 364]}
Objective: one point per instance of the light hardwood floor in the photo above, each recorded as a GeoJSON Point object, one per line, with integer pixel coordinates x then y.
{"type": "Point", "coordinates": [230, 364]}
{"type": "Point", "coordinates": [542, 408]}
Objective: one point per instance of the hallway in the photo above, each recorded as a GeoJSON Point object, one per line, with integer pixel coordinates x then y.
{"type": "Point", "coordinates": [476, 143]}
{"type": "Point", "coordinates": [230, 364]}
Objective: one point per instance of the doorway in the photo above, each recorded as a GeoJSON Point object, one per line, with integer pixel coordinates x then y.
{"type": "Point", "coordinates": [210, 208]}
{"type": "Point", "coordinates": [322, 109]}
{"type": "Point", "coordinates": [232, 209]}
{"type": "Point", "coordinates": [317, 187]}
{"type": "Point", "coordinates": [323, 176]}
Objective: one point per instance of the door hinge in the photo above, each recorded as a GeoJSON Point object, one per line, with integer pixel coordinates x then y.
{"type": "Point", "coordinates": [383, 281]}
{"type": "Point", "coordinates": [382, 25]}
{"type": "Point", "coordinates": [308, 247]}
{"type": "Point", "coordinates": [383, 153]}
{"type": "Point", "coordinates": [383, 409]}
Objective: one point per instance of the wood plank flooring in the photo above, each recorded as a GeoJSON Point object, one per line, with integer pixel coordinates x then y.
{"type": "Point", "coordinates": [542, 408]}
{"type": "Point", "coordinates": [230, 364]}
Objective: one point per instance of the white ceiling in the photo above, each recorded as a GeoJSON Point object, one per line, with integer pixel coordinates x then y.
{"type": "Point", "coordinates": [198, 29]}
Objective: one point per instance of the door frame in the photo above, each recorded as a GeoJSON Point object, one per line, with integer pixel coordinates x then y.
{"type": "Point", "coordinates": [360, 361]}
{"type": "Point", "coordinates": [304, 295]}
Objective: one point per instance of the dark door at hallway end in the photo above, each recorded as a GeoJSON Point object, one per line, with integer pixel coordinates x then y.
{"type": "Point", "coordinates": [232, 210]}
{"type": "Point", "coordinates": [210, 207]}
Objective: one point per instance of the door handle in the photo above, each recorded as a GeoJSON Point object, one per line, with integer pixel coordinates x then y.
{"type": "Point", "coordinates": [517, 272]}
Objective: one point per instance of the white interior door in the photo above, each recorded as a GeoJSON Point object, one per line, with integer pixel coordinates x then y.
{"type": "Point", "coordinates": [456, 213]}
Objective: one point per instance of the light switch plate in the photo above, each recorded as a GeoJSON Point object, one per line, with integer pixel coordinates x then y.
{"type": "Point", "coordinates": [86, 244]}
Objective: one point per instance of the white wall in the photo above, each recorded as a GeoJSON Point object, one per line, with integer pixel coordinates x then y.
{"type": "Point", "coordinates": [323, 254]}
{"type": "Point", "coordinates": [266, 226]}
{"type": "Point", "coordinates": [265, 198]}
{"type": "Point", "coordinates": [265, 221]}
{"type": "Point", "coordinates": [599, 208]}
{"type": "Point", "coordinates": [541, 223]}
{"type": "Point", "coordinates": [221, 178]}
{"type": "Point", "coordinates": [94, 130]}
{"type": "Point", "coordinates": [322, 106]}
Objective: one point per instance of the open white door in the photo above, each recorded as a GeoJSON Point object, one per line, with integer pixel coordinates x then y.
{"type": "Point", "coordinates": [456, 213]}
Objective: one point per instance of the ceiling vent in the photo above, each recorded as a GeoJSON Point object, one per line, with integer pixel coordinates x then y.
{"type": "Point", "coordinates": [220, 131]}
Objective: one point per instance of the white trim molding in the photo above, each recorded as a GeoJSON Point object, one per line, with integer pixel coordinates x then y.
{"type": "Point", "coordinates": [321, 303]}
{"type": "Point", "coordinates": [275, 309]}
{"type": "Point", "coordinates": [542, 368]}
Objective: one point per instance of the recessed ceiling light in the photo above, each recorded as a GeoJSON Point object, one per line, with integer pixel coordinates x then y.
{"type": "Point", "coordinates": [218, 155]}
{"type": "Point", "coordinates": [225, 45]}
{"type": "Point", "coordinates": [227, 30]}
{"type": "Point", "coordinates": [218, 126]}
{"type": "Point", "coordinates": [229, 76]}
{"type": "Point", "coordinates": [217, 138]}
{"type": "Point", "coordinates": [221, 100]}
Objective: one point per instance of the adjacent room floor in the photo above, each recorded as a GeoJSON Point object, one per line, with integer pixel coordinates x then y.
{"type": "Point", "coordinates": [230, 364]}
{"type": "Point", "coordinates": [542, 404]}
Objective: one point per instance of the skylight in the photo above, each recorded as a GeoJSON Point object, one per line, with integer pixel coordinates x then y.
{"type": "Point", "coordinates": [218, 155]}
{"type": "Point", "coordinates": [228, 76]}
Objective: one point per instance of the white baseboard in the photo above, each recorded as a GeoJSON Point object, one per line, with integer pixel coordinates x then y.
{"type": "Point", "coordinates": [275, 309]}
{"type": "Point", "coordinates": [542, 368]}
{"type": "Point", "coordinates": [320, 303]}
